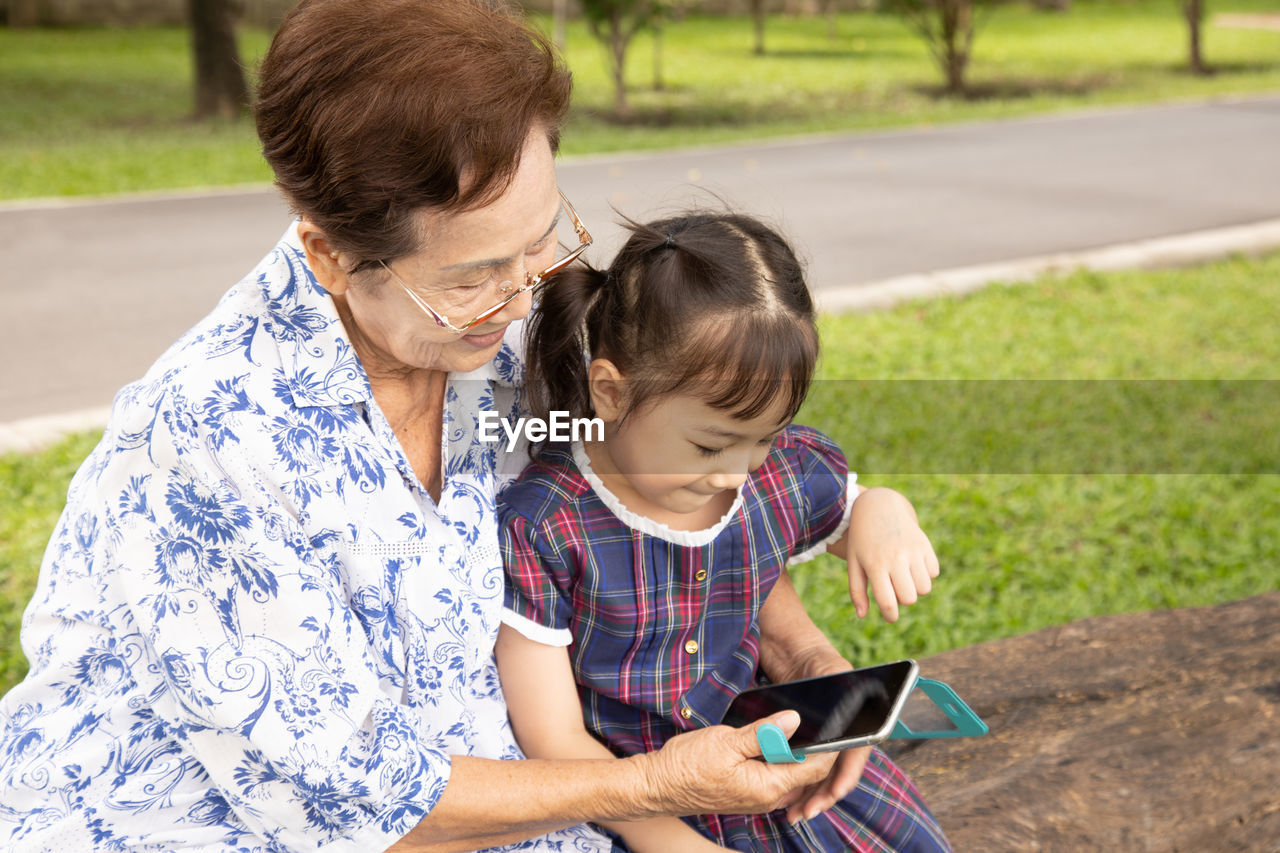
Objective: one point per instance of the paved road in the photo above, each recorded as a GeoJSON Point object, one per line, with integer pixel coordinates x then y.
{"type": "Point", "coordinates": [94, 292]}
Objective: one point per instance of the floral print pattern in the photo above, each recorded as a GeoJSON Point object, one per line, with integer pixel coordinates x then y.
{"type": "Point", "coordinates": [254, 630]}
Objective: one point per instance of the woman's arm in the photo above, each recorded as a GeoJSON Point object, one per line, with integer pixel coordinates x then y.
{"type": "Point", "coordinates": [793, 647]}
{"type": "Point", "coordinates": [712, 770]}
{"type": "Point", "coordinates": [546, 715]}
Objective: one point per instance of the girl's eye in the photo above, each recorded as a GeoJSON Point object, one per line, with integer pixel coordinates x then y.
{"type": "Point", "coordinates": [707, 451]}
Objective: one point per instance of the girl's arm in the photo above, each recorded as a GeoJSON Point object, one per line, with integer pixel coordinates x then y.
{"type": "Point", "coordinates": [542, 701]}
{"type": "Point", "coordinates": [793, 647]}
{"type": "Point", "coordinates": [886, 551]}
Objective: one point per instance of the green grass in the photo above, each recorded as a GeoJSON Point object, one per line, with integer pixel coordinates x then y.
{"type": "Point", "coordinates": [33, 490]}
{"type": "Point", "coordinates": [102, 111]}
{"type": "Point", "coordinates": [1018, 551]}
{"type": "Point", "coordinates": [1024, 551]}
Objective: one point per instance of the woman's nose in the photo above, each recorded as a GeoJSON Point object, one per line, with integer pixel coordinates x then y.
{"type": "Point", "coordinates": [517, 309]}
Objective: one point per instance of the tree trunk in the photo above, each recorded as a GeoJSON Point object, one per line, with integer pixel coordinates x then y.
{"type": "Point", "coordinates": [757, 18]}
{"type": "Point", "coordinates": [829, 9]}
{"type": "Point", "coordinates": [658, 83]}
{"type": "Point", "coordinates": [559, 22]}
{"type": "Point", "coordinates": [23, 13]}
{"type": "Point", "coordinates": [957, 28]}
{"type": "Point", "coordinates": [1194, 11]}
{"type": "Point", "coordinates": [618, 46]}
{"type": "Point", "coordinates": [220, 83]}
{"type": "Point", "coordinates": [1144, 731]}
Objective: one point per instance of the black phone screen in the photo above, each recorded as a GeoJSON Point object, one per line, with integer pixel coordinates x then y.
{"type": "Point", "coordinates": [855, 704]}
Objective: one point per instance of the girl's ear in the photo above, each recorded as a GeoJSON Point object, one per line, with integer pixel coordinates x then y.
{"type": "Point", "coordinates": [324, 260]}
{"type": "Point", "coordinates": [607, 387]}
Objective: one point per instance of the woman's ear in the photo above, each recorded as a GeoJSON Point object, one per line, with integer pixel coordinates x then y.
{"type": "Point", "coordinates": [325, 261]}
{"type": "Point", "coordinates": [608, 389]}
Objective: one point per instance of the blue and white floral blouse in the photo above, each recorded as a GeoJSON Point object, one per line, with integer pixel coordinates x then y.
{"type": "Point", "coordinates": [254, 630]}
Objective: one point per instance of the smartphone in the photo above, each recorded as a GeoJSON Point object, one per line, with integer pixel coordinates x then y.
{"type": "Point", "coordinates": [841, 711]}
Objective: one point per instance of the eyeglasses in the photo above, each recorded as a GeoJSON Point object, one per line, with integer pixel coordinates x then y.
{"type": "Point", "coordinates": [531, 282]}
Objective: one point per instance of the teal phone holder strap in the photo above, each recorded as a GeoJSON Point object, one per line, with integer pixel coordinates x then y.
{"type": "Point", "coordinates": [776, 750]}
{"type": "Point", "coordinates": [967, 723]}
{"type": "Point", "coordinates": [774, 746]}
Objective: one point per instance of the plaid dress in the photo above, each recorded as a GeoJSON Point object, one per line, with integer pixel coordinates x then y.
{"type": "Point", "coordinates": [662, 624]}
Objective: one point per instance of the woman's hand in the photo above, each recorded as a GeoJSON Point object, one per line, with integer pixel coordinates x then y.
{"type": "Point", "coordinates": [716, 771]}
{"type": "Point", "coordinates": [887, 552]}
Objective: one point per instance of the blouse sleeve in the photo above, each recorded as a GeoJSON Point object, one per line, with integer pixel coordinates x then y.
{"type": "Point", "coordinates": [537, 600]}
{"type": "Point", "coordinates": [257, 662]}
{"type": "Point", "coordinates": [828, 488]}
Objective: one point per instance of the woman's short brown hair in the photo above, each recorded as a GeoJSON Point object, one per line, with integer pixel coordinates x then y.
{"type": "Point", "coordinates": [369, 110]}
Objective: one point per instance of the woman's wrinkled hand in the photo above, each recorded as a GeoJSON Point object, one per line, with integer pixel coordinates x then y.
{"type": "Point", "coordinates": [888, 553]}
{"type": "Point", "coordinates": [717, 771]}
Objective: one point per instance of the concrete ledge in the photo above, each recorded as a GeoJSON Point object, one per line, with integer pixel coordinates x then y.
{"type": "Point", "coordinates": [1178, 250]}
{"type": "Point", "coordinates": [32, 434]}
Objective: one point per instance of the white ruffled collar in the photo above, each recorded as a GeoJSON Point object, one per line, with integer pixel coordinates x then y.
{"type": "Point", "coordinates": [690, 538]}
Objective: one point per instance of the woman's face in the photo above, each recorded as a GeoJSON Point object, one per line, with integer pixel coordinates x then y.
{"type": "Point", "coordinates": [460, 270]}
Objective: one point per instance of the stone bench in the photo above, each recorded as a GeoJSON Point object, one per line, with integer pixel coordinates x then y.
{"type": "Point", "coordinates": [1141, 732]}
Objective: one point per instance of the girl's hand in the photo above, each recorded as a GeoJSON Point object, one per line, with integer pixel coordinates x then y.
{"type": "Point", "coordinates": [887, 552]}
{"type": "Point", "coordinates": [843, 778]}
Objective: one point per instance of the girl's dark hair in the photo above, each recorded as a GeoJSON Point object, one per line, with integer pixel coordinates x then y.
{"type": "Point", "coordinates": [712, 302]}
{"type": "Point", "coordinates": [369, 111]}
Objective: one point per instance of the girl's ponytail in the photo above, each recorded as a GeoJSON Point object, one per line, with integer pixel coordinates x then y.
{"type": "Point", "coordinates": [556, 342]}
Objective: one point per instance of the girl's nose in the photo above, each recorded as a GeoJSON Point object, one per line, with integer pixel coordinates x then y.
{"type": "Point", "coordinates": [727, 479]}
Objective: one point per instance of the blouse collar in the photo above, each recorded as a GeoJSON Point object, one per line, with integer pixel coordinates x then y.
{"type": "Point", "coordinates": [320, 365]}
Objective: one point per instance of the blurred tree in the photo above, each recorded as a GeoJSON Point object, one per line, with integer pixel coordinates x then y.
{"type": "Point", "coordinates": [559, 22]}
{"type": "Point", "coordinates": [220, 84]}
{"type": "Point", "coordinates": [947, 27]}
{"type": "Point", "coordinates": [758, 9]}
{"type": "Point", "coordinates": [23, 13]}
{"type": "Point", "coordinates": [832, 14]}
{"type": "Point", "coordinates": [1194, 12]}
{"type": "Point", "coordinates": [615, 23]}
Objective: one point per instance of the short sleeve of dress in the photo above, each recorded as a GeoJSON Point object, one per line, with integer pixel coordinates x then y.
{"type": "Point", "coordinates": [828, 488]}
{"type": "Point", "coordinates": [537, 600]}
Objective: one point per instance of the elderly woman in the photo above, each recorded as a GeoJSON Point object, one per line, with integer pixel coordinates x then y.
{"type": "Point", "coordinates": [266, 619]}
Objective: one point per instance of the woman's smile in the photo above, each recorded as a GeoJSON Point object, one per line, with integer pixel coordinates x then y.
{"type": "Point", "coordinates": [486, 339]}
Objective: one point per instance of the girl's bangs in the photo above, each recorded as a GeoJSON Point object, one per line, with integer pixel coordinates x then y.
{"type": "Point", "coordinates": [747, 368]}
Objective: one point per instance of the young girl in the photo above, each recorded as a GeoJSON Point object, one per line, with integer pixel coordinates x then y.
{"type": "Point", "coordinates": [647, 580]}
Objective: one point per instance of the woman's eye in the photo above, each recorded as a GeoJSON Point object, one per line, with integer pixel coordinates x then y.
{"type": "Point", "coordinates": [469, 289]}
{"type": "Point", "coordinates": [707, 451]}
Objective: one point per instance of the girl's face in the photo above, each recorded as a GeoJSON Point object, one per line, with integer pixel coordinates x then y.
{"type": "Point", "coordinates": [677, 454]}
